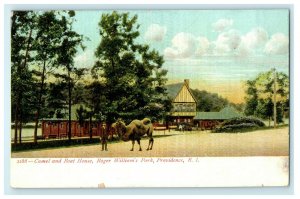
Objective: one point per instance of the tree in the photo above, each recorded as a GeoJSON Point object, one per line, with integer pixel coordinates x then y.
{"type": "Point", "coordinates": [23, 24]}
{"type": "Point", "coordinates": [264, 109]}
{"type": "Point", "coordinates": [251, 97]}
{"type": "Point", "coordinates": [38, 39]}
{"type": "Point", "coordinates": [95, 99]}
{"type": "Point", "coordinates": [267, 94]}
{"type": "Point", "coordinates": [70, 41]}
{"type": "Point", "coordinates": [132, 74]}
{"type": "Point", "coordinates": [50, 27]}
{"type": "Point", "coordinates": [209, 101]}
{"type": "Point", "coordinates": [56, 99]}
{"type": "Point", "coordinates": [81, 114]}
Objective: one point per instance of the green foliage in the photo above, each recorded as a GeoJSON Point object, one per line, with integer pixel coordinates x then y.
{"type": "Point", "coordinates": [260, 95]}
{"type": "Point", "coordinates": [56, 98]}
{"type": "Point", "coordinates": [40, 41]}
{"type": "Point", "coordinates": [81, 115]}
{"type": "Point", "coordinates": [208, 102]}
{"type": "Point", "coordinates": [239, 124]}
{"type": "Point", "coordinates": [22, 84]}
{"type": "Point", "coordinates": [132, 75]}
{"type": "Point", "coordinates": [251, 98]}
{"type": "Point", "coordinates": [244, 120]}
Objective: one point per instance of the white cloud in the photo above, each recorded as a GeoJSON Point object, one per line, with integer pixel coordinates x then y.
{"type": "Point", "coordinates": [277, 45]}
{"type": "Point", "coordinates": [203, 46]}
{"type": "Point", "coordinates": [256, 38]}
{"type": "Point", "coordinates": [252, 42]}
{"type": "Point", "coordinates": [222, 24]}
{"type": "Point", "coordinates": [183, 46]}
{"type": "Point", "coordinates": [227, 42]}
{"type": "Point", "coordinates": [85, 59]}
{"type": "Point", "coordinates": [155, 32]}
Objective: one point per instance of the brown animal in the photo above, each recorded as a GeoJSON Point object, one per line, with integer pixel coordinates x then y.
{"type": "Point", "coordinates": [118, 128]}
{"type": "Point", "coordinates": [138, 128]}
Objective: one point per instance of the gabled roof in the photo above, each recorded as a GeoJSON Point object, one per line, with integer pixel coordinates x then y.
{"type": "Point", "coordinates": [224, 114]}
{"type": "Point", "coordinates": [174, 89]}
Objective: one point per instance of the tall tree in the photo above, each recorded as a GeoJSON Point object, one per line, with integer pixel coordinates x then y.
{"type": "Point", "coordinates": [260, 95]}
{"type": "Point", "coordinates": [56, 99]}
{"type": "Point", "coordinates": [251, 97]}
{"type": "Point", "coordinates": [50, 27]}
{"type": "Point", "coordinates": [95, 99]}
{"type": "Point", "coordinates": [132, 73]}
{"type": "Point", "coordinates": [22, 27]}
{"type": "Point", "coordinates": [70, 41]}
{"type": "Point", "coordinates": [81, 115]}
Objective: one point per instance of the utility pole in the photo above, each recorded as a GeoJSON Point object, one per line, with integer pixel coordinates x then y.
{"type": "Point", "coordinates": [275, 93]}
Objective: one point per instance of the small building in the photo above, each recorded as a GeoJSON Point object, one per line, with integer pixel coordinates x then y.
{"type": "Point", "coordinates": [58, 128]}
{"type": "Point", "coordinates": [183, 101]}
{"type": "Point", "coordinates": [209, 120]}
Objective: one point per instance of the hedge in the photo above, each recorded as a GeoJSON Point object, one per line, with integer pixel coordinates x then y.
{"type": "Point", "coordinates": [239, 124]}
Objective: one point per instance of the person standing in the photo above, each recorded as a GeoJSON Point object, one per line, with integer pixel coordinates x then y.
{"type": "Point", "coordinates": [104, 137]}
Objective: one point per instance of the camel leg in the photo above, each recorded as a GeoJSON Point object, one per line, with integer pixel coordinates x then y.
{"type": "Point", "coordinates": [152, 141]}
{"type": "Point", "coordinates": [132, 145]}
{"type": "Point", "coordinates": [139, 142]}
{"type": "Point", "coordinates": [149, 144]}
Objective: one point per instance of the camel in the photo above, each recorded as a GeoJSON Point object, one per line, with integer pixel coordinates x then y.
{"type": "Point", "coordinates": [118, 127]}
{"type": "Point", "coordinates": [138, 128]}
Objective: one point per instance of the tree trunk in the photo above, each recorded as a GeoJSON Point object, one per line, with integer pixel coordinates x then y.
{"type": "Point", "coordinates": [39, 104]}
{"type": "Point", "coordinates": [18, 105]}
{"type": "Point", "coordinates": [269, 121]}
{"type": "Point", "coordinates": [90, 127]}
{"type": "Point", "coordinates": [69, 104]}
{"type": "Point", "coordinates": [275, 101]}
{"type": "Point", "coordinates": [20, 130]}
{"type": "Point", "coordinates": [16, 124]}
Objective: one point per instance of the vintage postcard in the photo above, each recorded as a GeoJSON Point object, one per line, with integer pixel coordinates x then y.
{"type": "Point", "coordinates": [150, 98]}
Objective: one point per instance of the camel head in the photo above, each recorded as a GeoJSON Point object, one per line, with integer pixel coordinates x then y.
{"type": "Point", "coordinates": [128, 132]}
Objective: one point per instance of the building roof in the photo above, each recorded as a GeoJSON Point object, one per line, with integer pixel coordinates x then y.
{"type": "Point", "coordinates": [174, 89]}
{"type": "Point", "coordinates": [224, 114]}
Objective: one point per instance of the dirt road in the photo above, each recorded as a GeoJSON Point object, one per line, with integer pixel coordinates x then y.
{"type": "Point", "coordinates": [272, 142]}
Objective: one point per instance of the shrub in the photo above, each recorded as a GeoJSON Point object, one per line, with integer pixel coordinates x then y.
{"type": "Point", "coordinates": [238, 124]}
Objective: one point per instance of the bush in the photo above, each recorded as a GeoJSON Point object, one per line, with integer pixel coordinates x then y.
{"type": "Point", "coordinates": [244, 120]}
{"type": "Point", "coordinates": [239, 124]}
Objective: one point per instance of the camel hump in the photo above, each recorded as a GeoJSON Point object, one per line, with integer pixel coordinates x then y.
{"type": "Point", "coordinates": [146, 121]}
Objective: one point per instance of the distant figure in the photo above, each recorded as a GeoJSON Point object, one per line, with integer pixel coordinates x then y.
{"type": "Point", "coordinates": [180, 127]}
{"type": "Point", "coordinates": [104, 137]}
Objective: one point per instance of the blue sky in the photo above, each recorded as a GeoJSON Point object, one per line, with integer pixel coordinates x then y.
{"type": "Point", "coordinates": [218, 50]}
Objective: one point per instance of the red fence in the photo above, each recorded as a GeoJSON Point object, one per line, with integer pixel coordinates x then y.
{"type": "Point", "coordinates": [59, 129]}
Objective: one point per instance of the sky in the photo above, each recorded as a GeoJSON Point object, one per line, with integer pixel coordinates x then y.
{"type": "Point", "coordinates": [218, 50]}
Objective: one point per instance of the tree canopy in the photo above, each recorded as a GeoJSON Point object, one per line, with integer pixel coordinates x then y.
{"type": "Point", "coordinates": [131, 73]}
{"type": "Point", "coordinates": [260, 93]}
